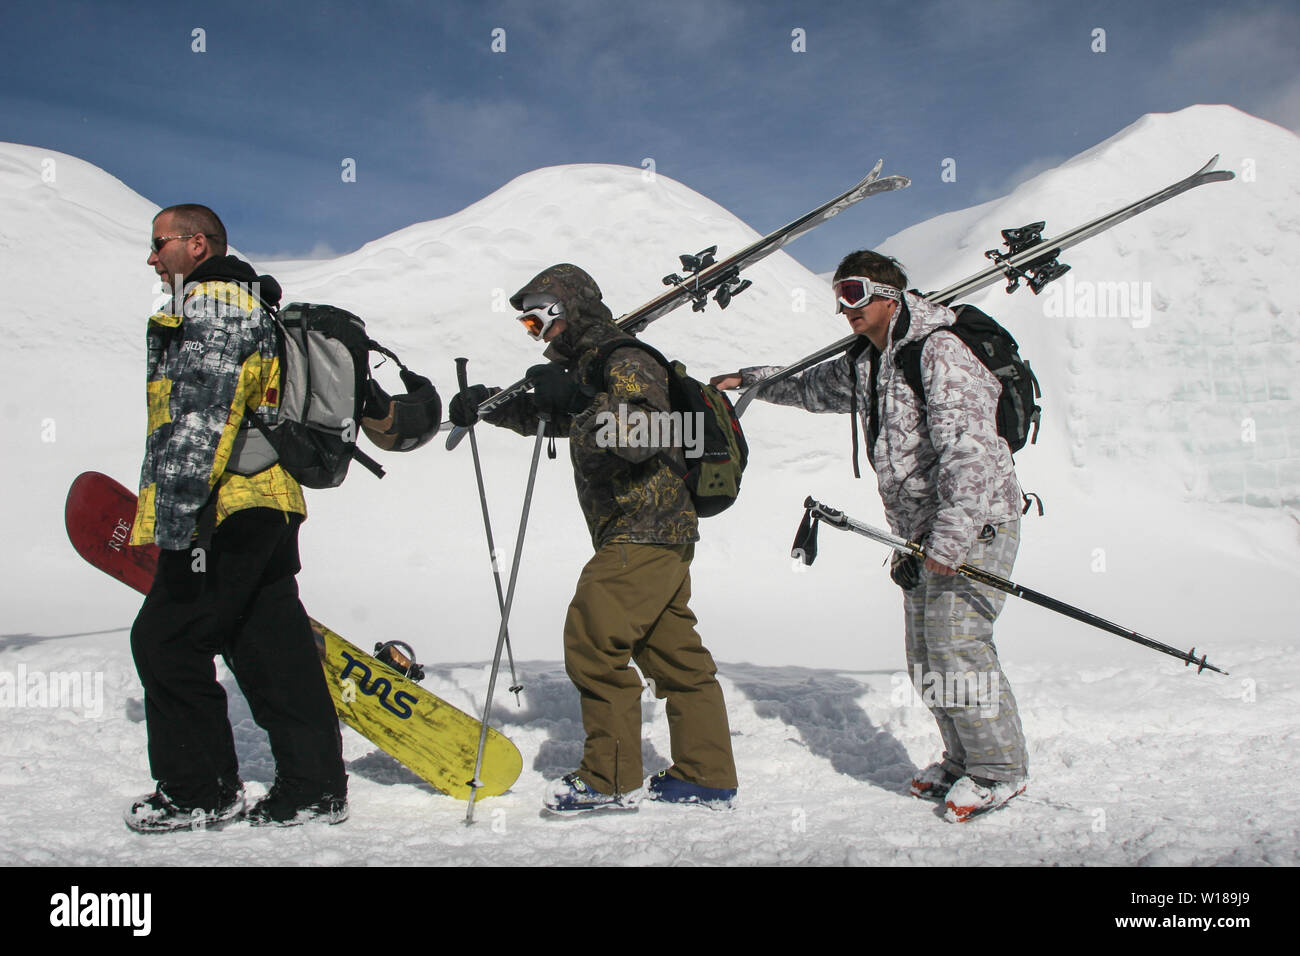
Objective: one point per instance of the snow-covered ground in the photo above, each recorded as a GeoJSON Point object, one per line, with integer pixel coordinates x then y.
{"type": "Point", "coordinates": [1169, 462]}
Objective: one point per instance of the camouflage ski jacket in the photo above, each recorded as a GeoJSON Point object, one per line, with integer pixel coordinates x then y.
{"type": "Point", "coordinates": [943, 470]}
{"type": "Point", "coordinates": [626, 491]}
{"type": "Point", "coordinates": [209, 359]}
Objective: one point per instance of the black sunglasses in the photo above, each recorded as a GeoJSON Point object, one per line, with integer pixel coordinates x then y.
{"type": "Point", "coordinates": [157, 242]}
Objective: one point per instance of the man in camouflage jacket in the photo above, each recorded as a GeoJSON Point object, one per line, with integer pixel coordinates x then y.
{"type": "Point", "coordinates": [229, 552]}
{"type": "Point", "coordinates": [631, 601]}
{"type": "Point", "coordinates": [947, 481]}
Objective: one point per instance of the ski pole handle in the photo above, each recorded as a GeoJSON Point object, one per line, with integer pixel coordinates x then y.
{"type": "Point", "coordinates": [462, 382]}
{"type": "Point", "coordinates": [804, 548]}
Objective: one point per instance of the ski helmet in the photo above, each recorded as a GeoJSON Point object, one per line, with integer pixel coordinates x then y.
{"type": "Point", "coordinates": [402, 422]}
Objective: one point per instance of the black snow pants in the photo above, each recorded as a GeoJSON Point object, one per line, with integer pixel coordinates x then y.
{"type": "Point", "coordinates": [246, 609]}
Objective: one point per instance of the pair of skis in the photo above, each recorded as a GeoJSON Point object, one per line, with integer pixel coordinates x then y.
{"type": "Point", "coordinates": [706, 276]}
{"type": "Point", "coordinates": [1028, 258]}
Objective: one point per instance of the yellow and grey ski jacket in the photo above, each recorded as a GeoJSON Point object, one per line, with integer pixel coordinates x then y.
{"type": "Point", "coordinates": [209, 360]}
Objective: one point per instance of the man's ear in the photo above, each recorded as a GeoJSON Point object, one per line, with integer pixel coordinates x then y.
{"type": "Point", "coordinates": [204, 250]}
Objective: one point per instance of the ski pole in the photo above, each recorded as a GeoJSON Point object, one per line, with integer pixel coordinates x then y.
{"type": "Point", "coordinates": [462, 379]}
{"type": "Point", "coordinates": [805, 550]}
{"type": "Point", "coordinates": [475, 783]}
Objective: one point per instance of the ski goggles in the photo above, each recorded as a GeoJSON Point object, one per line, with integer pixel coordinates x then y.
{"type": "Point", "coordinates": [539, 319]}
{"type": "Point", "coordinates": [854, 292]}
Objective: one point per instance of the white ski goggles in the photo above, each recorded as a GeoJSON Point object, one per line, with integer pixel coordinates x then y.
{"type": "Point", "coordinates": [539, 317]}
{"type": "Point", "coordinates": [854, 292]}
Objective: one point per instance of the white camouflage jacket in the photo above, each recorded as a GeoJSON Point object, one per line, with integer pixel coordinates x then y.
{"type": "Point", "coordinates": [943, 470]}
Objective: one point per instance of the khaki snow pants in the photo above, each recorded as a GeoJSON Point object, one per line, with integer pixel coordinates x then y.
{"type": "Point", "coordinates": [631, 605]}
{"type": "Point", "coordinates": [954, 665]}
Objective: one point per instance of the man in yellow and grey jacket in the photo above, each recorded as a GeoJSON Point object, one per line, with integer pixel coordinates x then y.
{"type": "Point", "coordinates": [229, 553]}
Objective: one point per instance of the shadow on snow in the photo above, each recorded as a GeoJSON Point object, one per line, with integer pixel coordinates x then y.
{"type": "Point", "coordinates": [823, 706]}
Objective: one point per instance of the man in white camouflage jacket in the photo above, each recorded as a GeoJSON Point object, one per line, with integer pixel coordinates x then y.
{"type": "Point", "coordinates": [947, 481]}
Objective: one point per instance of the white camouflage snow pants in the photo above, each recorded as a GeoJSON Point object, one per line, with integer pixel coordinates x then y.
{"type": "Point", "coordinates": [954, 665]}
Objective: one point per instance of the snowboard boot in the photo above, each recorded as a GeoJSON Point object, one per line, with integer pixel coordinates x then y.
{"type": "Point", "coordinates": [282, 807]}
{"type": "Point", "coordinates": [971, 796]}
{"type": "Point", "coordinates": [159, 813]}
{"type": "Point", "coordinates": [666, 788]}
{"type": "Point", "coordinates": [932, 783]}
{"type": "Point", "coordinates": [570, 794]}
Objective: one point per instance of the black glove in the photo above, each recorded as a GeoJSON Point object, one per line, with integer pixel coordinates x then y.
{"type": "Point", "coordinates": [176, 572]}
{"type": "Point", "coordinates": [905, 570]}
{"type": "Point", "coordinates": [463, 410]}
{"type": "Point", "coordinates": [557, 392]}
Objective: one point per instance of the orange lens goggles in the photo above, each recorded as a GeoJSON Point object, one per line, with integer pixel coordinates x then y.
{"type": "Point", "coordinates": [538, 321]}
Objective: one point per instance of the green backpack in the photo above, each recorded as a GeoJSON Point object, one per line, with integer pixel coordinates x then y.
{"type": "Point", "coordinates": [713, 477]}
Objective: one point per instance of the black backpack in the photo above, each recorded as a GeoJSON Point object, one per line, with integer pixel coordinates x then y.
{"type": "Point", "coordinates": [713, 479]}
{"type": "Point", "coordinates": [1018, 411]}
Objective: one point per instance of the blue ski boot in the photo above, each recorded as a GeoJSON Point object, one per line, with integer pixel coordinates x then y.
{"type": "Point", "coordinates": [664, 787]}
{"type": "Point", "coordinates": [570, 794]}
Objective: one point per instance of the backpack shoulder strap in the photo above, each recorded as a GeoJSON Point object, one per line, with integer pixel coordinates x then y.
{"type": "Point", "coordinates": [909, 356]}
{"type": "Point", "coordinates": [603, 351]}
{"type": "Point", "coordinates": [909, 362]}
{"type": "Point", "coordinates": [873, 425]}
{"type": "Point", "coordinates": [676, 394]}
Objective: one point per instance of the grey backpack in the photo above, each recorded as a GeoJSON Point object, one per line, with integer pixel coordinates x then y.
{"type": "Point", "coordinates": [324, 372]}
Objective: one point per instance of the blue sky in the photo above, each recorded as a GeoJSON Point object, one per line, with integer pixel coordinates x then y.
{"type": "Point", "coordinates": [258, 125]}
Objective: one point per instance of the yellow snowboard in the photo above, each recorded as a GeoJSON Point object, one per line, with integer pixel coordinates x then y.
{"type": "Point", "coordinates": [435, 740]}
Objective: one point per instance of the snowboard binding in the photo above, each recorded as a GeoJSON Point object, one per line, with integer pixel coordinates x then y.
{"type": "Point", "coordinates": [400, 656]}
